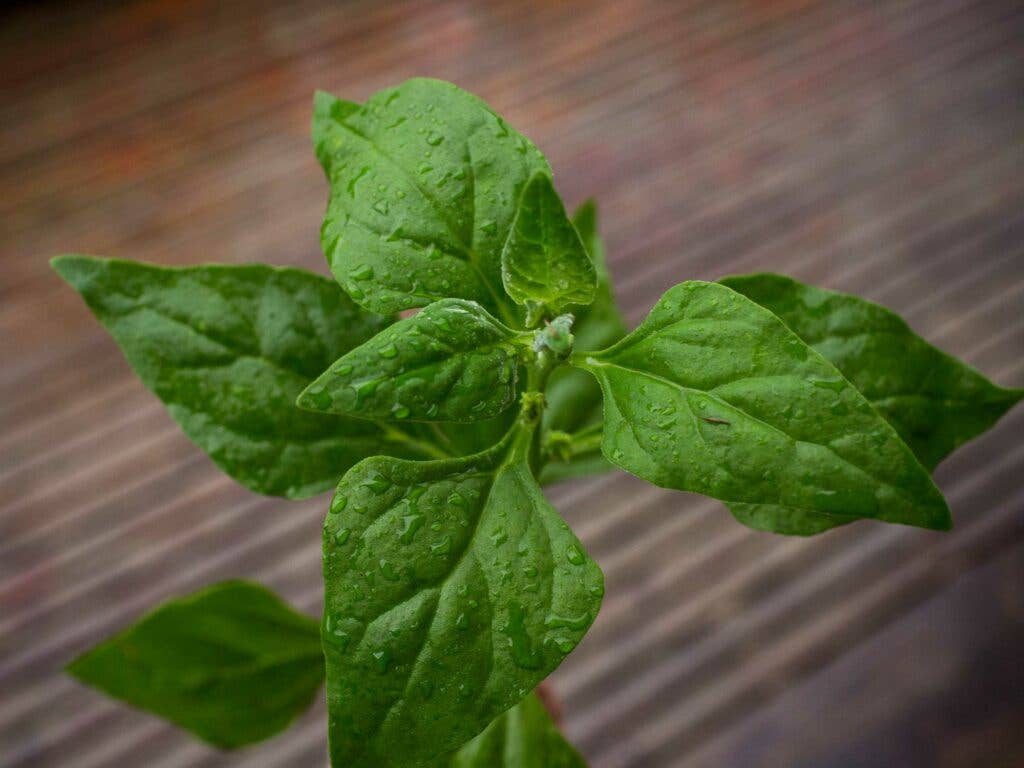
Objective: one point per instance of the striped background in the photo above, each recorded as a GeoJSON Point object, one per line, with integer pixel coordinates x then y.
{"type": "Point", "coordinates": [870, 147]}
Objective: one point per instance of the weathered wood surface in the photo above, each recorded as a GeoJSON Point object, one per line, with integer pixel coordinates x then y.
{"type": "Point", "coordinates": [876, 148]}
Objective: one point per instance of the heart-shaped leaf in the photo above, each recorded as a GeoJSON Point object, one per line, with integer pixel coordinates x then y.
{"type": "Point", "coordinates": [714, 394]}
{"type": "Point", "coordinates": [452, 588]}
{"type": "Point", "coordinates": [230, 663]}
{"type": "Point", "coordinates": [228, 349]}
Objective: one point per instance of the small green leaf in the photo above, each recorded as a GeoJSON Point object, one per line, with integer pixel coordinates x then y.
{"type": "Point", "coordinates": [424, 179]}
{"type": "Point", "coordinates": [544, 264]}
{"type": "Point", "coordinates": [579, 465]}
{"type": "Point", "coordinates": [228, 349]}
{"type": "Point", "coordinates": [522, 737]}
{"type": "Point", "coordinates": [573, 397]}
{"type": "Point", "coordinates": [230, 663]}
{"type": "Point", "coordinates": [714, 394]}
{"type": "Point", "coordinates": [450, 362]}
{"type": "Point", "coordinates": [934, 401]}
{"type": "Point", "coordinates": [452, 588]}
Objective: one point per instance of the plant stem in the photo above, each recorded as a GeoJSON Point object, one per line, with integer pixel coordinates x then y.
{"type": "Point", "coordinates": [587, 444]}
{"type": "Point", "coordinates": [398, 436]}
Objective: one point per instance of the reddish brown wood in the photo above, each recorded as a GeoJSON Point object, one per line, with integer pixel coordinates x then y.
{"type": "Point", "coordinates": [872, 147]}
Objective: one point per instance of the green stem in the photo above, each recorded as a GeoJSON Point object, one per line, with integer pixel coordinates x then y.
{"type": "Point", "coordinates": [587, 444]}
{"type": "Point", "coordinates": [398, 436]}
{"type": "Point", "coordinates": [593, 429]}
{"type": "Point", "coordinates": [436, 429]}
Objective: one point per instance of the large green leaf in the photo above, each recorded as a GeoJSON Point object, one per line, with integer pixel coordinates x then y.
{"type": "Point", "coordinates": [544, 264]}
{"type": "Point", "coordinates": [450, 362]}
{"type": "Point", "coordinates": [425, 180]}
{"type": "Point", "coordinates": [230, 663]}
{"type": "Point", "coordinates": [714, 394]}
{"type": "Point", "coordinates": [522, 737]}
{"type": "Point", "coordinates": [452, 588]}
{"type": "Point", "coordinates": [935, 402]}
{"type": "Point", "coordinates": [574, 398]}
{"type": "Point", "coordinates": [228, 349]}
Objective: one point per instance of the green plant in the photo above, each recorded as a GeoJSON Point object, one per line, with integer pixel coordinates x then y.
{"type": "Point", "coordinates": [452, 587]}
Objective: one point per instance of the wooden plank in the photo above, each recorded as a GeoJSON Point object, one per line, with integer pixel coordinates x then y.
{"type": "Point", "coordinates": [876, 148]}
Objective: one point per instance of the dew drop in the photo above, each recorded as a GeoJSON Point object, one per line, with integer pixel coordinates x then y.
{"type": "Point", "coordinates": [377, 483]}
{"type": "Point", "coordinates": [832, 386]}
{"type": "Point", "coordinates": [524, 655]}
{"type": "Point", "coordinates": [365, 388]}
{"type": "Point", "coordinates": [321, 399]}
{"type": "Point", "coordinates": [554, 621]}
{"type": "Point", "coordinates": [362, 272]}
{"type": "Point", "coordinates": [442, 547]}
{"type": "Point", "coordinates": [340, 638]}
{"type": "Point", "coordinates": [410, 524]}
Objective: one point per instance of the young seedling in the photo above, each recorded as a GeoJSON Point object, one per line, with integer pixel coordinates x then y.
{"type": "Point", "coordinates": [452, 586]}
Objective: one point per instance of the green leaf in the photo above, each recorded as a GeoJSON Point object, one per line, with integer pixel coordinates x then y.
{"type": "Point", "coordinates": [522, 737]}
{"type": "Point", "coordinates": [450, 362]}
{"type": "Point", "coordinates": [573, 397]}
{"type": "Point", "coordinates": [425, 180]}
{"type": "Point", "coordinates": [228, 349]}
{"type": "Point", "coordinates": [230, 663]}
{"type": "Point", "coordinates": [544, 264]}
{"type": "Point", "coordinates": [934, 401]}
{"type": "Point", "coordinates": [714, 394]}
{"type": "Point", "coordinates": [787, 521]}
{"type": "Point", "coordinates": [452, 588]}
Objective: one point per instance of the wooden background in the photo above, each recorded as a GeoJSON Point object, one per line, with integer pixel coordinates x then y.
{"type": "Point", "coordinates": [870, 147]}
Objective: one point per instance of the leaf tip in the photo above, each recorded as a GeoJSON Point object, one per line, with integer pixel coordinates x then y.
{"type": "Point", "coordinates": [75, 267]}
{"type": "Point", "coordinates": [941, 518]}
{"type": "Point", "coordinates": [308, 401]}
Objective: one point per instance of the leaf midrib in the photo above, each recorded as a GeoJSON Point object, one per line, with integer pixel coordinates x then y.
{"type": "Point", "coordinates": [594, 362]}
